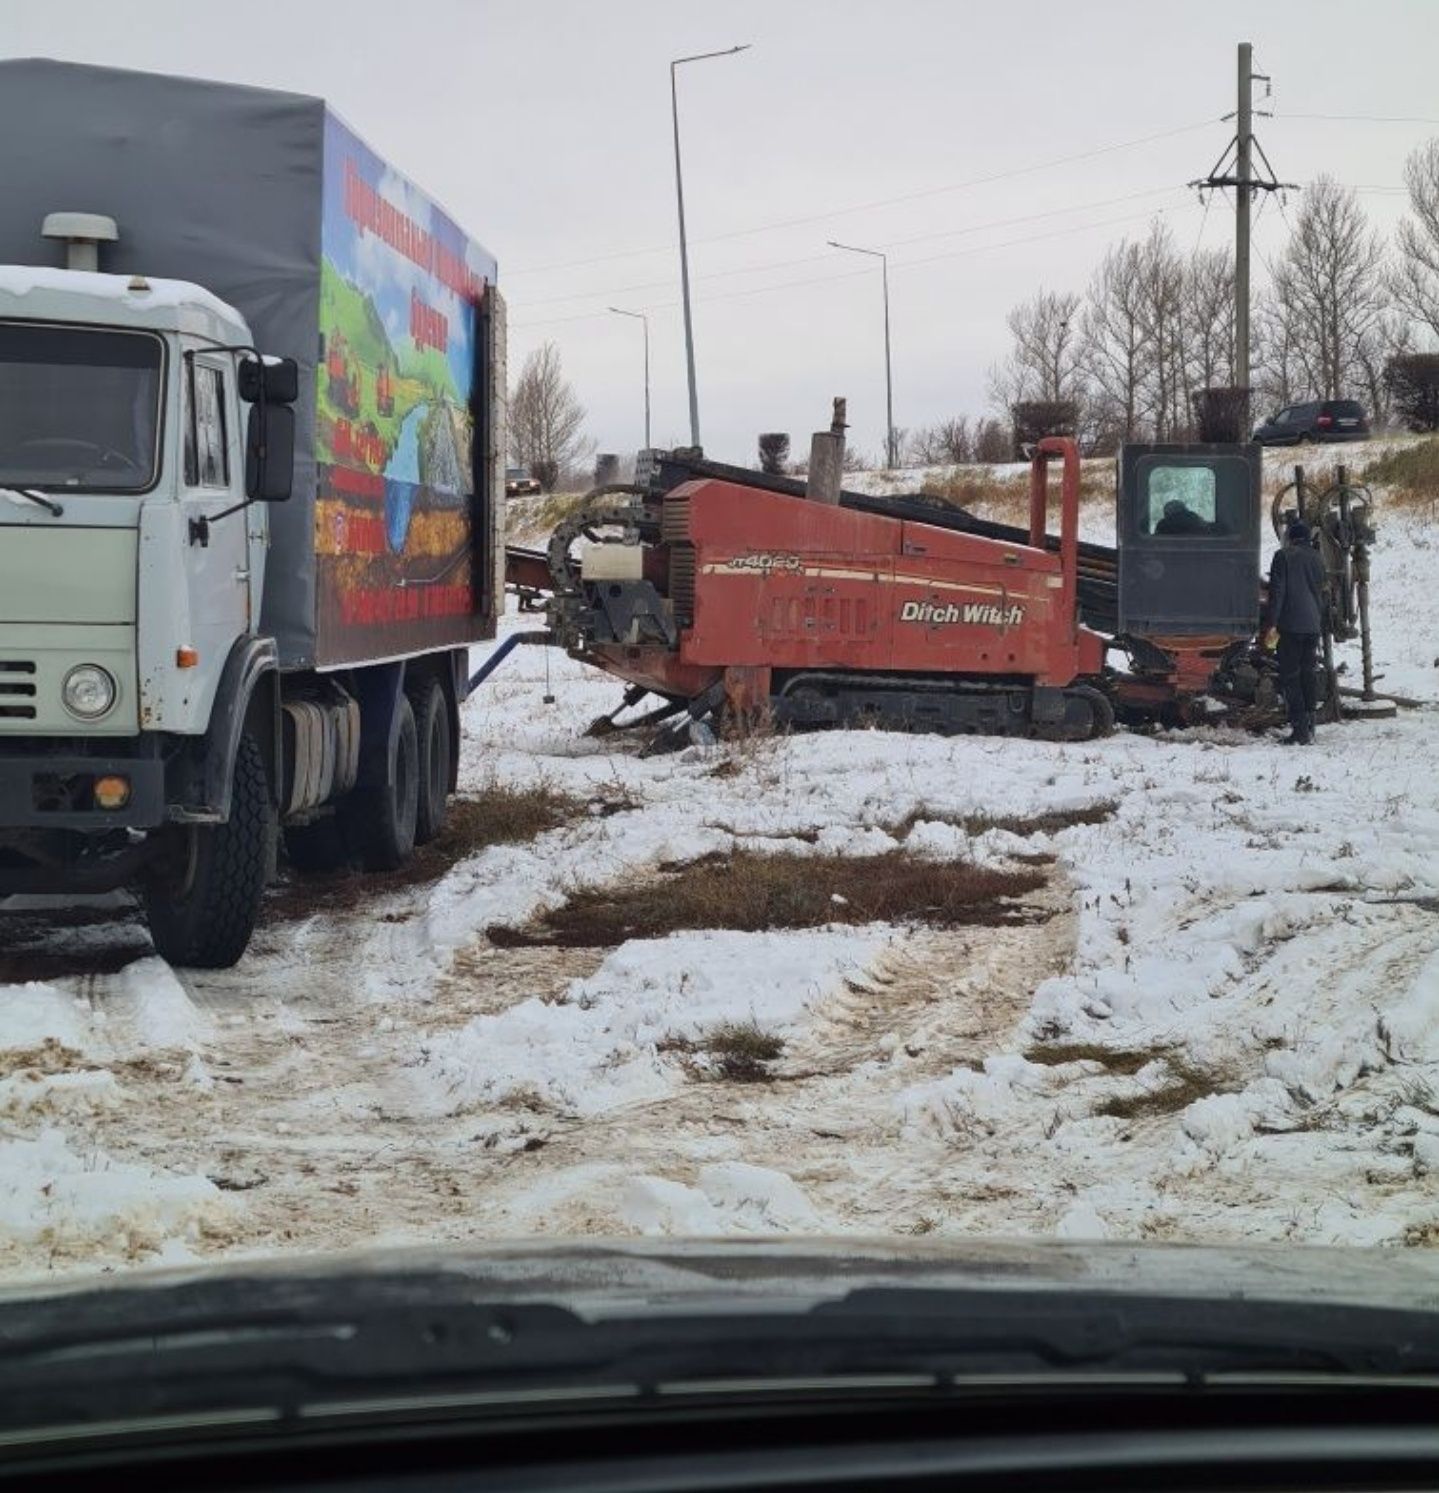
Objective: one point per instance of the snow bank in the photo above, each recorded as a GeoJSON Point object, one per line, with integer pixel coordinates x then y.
{"type": "Point", "coordinates": [60, 1192]}
{"type": "Point", "coordinates": [1410, 1026]}
{"type": "Point", "coordinates": [82, 1200]}
{"type": "Point", "coordinates": [731, 1197]}
{"type": "Point", "coordinates": [34, 1015]}
{"type": "Point", "coordinates": [601, 1045]}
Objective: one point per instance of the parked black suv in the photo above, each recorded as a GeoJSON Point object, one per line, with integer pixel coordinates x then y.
{"type": "Point", "coordinates": [1326, 420]}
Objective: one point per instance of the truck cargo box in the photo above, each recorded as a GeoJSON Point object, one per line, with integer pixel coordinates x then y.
{"type": "Point", "coordinates": [390, 544]}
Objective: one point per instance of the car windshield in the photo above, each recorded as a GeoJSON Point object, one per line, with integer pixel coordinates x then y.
{"type": "Point", "coordinates": [79, 408]}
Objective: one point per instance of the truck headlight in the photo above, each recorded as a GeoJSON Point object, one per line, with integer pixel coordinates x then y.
{"type": "Point", "coordinates": [88, 691]}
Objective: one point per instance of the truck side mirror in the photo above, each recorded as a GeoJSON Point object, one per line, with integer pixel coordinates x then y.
{"type": "Point", "coordinates": [281, 380]}
{"type": "Point", "coordinates": [270, 453]}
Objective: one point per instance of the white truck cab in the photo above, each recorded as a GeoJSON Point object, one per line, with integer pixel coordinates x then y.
{"type": "Point", "coordinates": [119, 405]}
{"type": "Point", "coordinates": [132, 562]}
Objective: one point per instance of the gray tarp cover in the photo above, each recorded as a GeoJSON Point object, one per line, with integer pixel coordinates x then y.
{"type": "Point", "coordinates": [213, 183]}
{"type": "Point", "coordinates": [208, 182]}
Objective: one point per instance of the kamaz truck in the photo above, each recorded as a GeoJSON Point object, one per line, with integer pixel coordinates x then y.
{"type": "Point", "coordinates": [251, 480]}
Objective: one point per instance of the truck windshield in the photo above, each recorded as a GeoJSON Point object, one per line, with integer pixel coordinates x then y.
{"type": "Point", "coordinates": [79, 408]}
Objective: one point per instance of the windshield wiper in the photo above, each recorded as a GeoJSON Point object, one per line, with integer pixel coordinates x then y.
{"type": "Point", "coordinates": [56, 509]}
{"type": "Point", "coordinates": [315, 1343]}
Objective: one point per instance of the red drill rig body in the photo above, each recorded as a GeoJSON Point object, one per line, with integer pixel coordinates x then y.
{"type": "Point", "coordinates": [724, 596]}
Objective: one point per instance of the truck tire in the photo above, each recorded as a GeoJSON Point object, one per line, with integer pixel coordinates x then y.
{"type": "Point", "coordinates": [379, 823]}
{"type": "Point", "coordinates": [202, 901]}
{"type": "Point", "coordinates": [318, 846]}
{"type": "Point", "coordinates": [432, 729]}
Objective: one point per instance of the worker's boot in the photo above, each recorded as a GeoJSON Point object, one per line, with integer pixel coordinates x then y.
{"type": "Point", "coordinates": [1309, 724]}
{"type": "Point", "coordinates": [1299, 732]}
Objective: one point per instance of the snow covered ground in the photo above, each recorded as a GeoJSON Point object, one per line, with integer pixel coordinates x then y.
{"type": "Point", "coordinates": [1279, 462]}
{"type": "Point", "coordinates": [1219, 1022]}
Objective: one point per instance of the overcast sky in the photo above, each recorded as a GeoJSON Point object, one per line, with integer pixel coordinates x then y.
{"type": "Point", "coordinates": [912, 126]}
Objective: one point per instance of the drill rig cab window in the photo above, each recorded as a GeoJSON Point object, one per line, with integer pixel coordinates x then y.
{"type": "Point", "coordinates": [1182, 501]}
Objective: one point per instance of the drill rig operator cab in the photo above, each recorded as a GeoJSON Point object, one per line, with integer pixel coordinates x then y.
{"type": "Point", "coordinates": [1189, 532]}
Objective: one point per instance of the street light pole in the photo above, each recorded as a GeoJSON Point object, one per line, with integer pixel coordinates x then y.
{"type": "Point", "coordinates": [641, 317]}
{"type": "Point", "coordinates": [684, 243]}
{"type": "Point", "coordinates": [891, 455]}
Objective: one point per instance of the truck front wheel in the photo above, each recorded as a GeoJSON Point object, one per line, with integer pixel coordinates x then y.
{"type": "Point", "coordinates": [202, 897]}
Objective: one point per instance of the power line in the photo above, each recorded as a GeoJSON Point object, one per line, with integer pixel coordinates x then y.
{"type": "Point", "coordinates": [916, 238]}
{"type": "Point", "coordinates": [855, 274]}
{"type": "Point", "coordinates": [1365, 118]}
{"type": "Point", "coordinates": [855, 207]}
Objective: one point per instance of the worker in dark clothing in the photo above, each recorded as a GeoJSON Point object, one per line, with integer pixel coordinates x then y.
{"type": "Point", "coordinates": [1296, 613]}
{"type": "Point", "coordinates": [1180, 518]}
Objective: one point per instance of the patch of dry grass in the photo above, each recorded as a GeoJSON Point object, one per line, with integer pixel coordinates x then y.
{"type": "Point", "coordinates": [753, 890]}
{"type": "Point", "coordinates": [554, 508]}
{"type": "Point", "coordinates": [1004, 495]}
{"type": "Point", "coordinates": [1186, 1084]}
{"type": "Point", "coordinates": [731, 1051]}
{"type": "Point", "coordinates": [1409, 475]}
{"type": "Point", "coordinates": [494, 814]}
{"type": "Point", "coordinates": [1046, 823]}
{"type": "Point", "coordinates": [1121, 1060]}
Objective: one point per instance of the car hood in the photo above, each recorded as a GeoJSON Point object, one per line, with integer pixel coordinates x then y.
{"type": "Point", "coordinates": [597, 1278]}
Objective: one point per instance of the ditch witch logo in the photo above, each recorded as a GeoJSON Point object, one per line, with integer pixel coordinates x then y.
{"type": "Point", "coordinates": [984, 613]}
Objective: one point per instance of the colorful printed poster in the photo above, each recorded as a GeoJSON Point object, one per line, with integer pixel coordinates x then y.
{"type": "Point", "coordinates": [400, 292]}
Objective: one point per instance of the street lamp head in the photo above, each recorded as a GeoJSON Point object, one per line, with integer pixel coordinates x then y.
{"type": "Point", "coordinates": [855, 249]}
{"type": "Point", "coordinates": [702, 56]}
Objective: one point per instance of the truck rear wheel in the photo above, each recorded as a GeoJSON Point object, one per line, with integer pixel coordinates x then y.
{"type": "Point", "coordinates": [432, 728]}
{"type": "Point", "coordinates": [202, 899]}
{"type": "Point", "coordinates": [315, 847]}
{"type": "Point", "coordinates": [380, 822]}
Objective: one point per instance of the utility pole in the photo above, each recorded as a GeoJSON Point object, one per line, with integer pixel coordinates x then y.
{"type": "Point", "coordinates": [1245, 184]}
{"type": "Point", "coordinates": [1244, 162]}
{"type": "Point", "coordinates": [684, 242]}
{"type": "Point", "coordinates": [641, 317]}
{"type": "Point", "coordinates": [891, 455]}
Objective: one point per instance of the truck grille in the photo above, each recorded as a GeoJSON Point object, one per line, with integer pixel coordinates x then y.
{"type": "Point", "coordinates": [17, 689]}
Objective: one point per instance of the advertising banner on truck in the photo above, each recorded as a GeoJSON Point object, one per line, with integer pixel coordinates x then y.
{"type": "Point", "coordinates": [402, 291]}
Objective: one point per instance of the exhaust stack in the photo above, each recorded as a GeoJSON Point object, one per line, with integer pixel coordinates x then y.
{"type": "Point", "coordinates": [82, 233]}
{"type": "Point", "coordinates": [826, 459]}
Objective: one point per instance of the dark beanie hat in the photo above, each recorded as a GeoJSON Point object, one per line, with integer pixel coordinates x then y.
{"type": "Point", "coordinates": [1298, 530]}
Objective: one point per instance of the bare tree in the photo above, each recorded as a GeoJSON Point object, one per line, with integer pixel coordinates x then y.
{"type": "Point", "coordinates": [1413, 380]}
{"type": "Point", "coordinates": [1209, 319]}
{"type": "Point", "coordinates": [1415, 280]}
{"type": "Point", "coordinates": [1388, 339]}
{"type": "Point", "coordinates": [1278, 374]}
{"type": "Point", "coordinates": [1045, 362]}
{"type": "Point", "coordinates": [546, 419]}
{"type": "Point", "coordinates": [1117, 347]}
{"type": "Point", "coordinates": [947, 444]}
{"type": "Point", "coordinates": [1329, 290]}
{"type": "Point", "coordinates": [774, 452]}
{"type": "Point", "coordinates": [1161, 307]}
{"type": "Point", "coordinates": [992, 441]}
